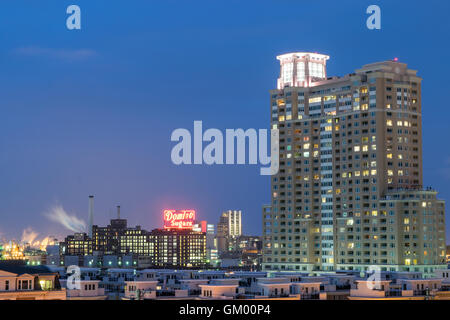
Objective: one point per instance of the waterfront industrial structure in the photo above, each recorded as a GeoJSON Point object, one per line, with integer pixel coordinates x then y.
{"type": "Point", "coordinates": [120, 245]}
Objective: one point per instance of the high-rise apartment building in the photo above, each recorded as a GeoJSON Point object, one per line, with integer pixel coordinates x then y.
{"type": "Point", "coordinates": [349, 191]}
{"type": "Point", "coordinates": [229, 226]}
{"type": "Point", "coordinates": [230, 223]}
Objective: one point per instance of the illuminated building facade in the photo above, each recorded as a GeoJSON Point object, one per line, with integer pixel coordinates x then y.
{"type": "Point", "coordinates": [180, 242]}
{"type": "Point", "coordinates": [180, 246]}
{"type": "Point", "coordinates": [229, 227]}
{"type": "Point", "coordinates": [106, 239]}
{"type": "Point", "coordinates": [136, 241]}
{"type": "Point", "coordinates": [78, 244]}
{"type": "Point", "coordinates": [114, 239]}
{"type": "Point", "coordinates": [184, 248]}
{"type": "Point", "coordinates": [349, 194]}
{"type": "Point", "coordinates": [212, 254]}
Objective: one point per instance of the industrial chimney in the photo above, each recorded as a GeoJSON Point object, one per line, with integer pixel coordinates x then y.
{"type": "Point", "coordinates": [91, 215]}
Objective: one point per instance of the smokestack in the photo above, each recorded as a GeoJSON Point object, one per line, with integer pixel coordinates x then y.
{"type": "Point", "coordinates": [91, 215]}
{"type": "Point", "coordinates": [118, 212]}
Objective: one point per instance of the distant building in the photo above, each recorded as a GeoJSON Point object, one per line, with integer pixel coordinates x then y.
{"type": "Point", "coordinates": [116, 239]}
{"type": "Point", "coordinates": [118, 245]}
{"type": "Point", "coordinates": [185, 248]}
{"type": "Point", "coordinates": [212, 255]}
{"type": "Point", "coordinates": [229, 227]}
{"type": "Point", "coordinates": [233, 221]}
{"type": "Point", "coordinates": [244, 252]}
{"type": "Point", "coordinates": [78, 244]}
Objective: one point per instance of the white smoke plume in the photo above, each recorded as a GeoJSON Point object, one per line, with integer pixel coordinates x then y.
{"type": "Point", "coordinates": [47, 241]}
{"type": "Point", "coordinates": [28, 236]}
{"type": "Point", "coordinates": [71, 222]}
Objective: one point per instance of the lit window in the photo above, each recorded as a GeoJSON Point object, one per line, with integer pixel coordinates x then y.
{"type": "Point", "coordinates": [314, 100]}
{"type": "Point", "coordinates": [288, 69]}
{"type": "Point", "coordinates": [316, 70]}
{"type": "Point", "coordinates": [300, 71]}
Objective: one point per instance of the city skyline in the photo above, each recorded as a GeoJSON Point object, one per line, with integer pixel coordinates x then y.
{"type": "Point", "coordinates": [73, 135]}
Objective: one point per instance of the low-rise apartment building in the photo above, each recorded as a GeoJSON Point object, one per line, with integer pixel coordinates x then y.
{"type": "Point", "coordinates": [18, 282]}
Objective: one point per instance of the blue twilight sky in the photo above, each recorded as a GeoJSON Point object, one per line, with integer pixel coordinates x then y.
{"type": "Point", "coordinates": [91, 111]}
